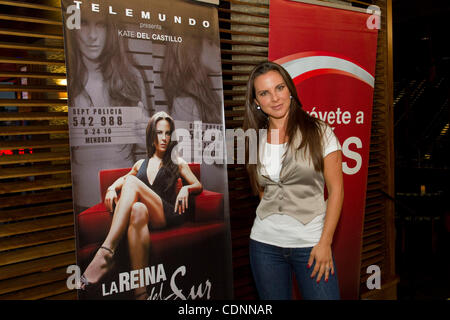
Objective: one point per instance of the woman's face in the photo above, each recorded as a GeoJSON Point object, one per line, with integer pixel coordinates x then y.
{"type": "Point", "coordinates": [163, 135]}
{"type": "Point", "coordinates": [92, 35]}
{"type": "Point", "coordinates": [272, 94]}
{"type": "Point", "coordinates": [210, 55]}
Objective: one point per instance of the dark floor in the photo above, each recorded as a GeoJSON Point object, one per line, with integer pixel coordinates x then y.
{"type": "Point", "coordinates": [423, 259]}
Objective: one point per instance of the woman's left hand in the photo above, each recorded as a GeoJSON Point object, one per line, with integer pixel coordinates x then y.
{"type": "Point", "coordinates": [322, 254]}
{"type": "Point", "coordinates": [181, 204]}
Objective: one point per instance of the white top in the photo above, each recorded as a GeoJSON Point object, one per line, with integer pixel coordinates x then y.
{"type": "Point", "coordinates": [283, 230]}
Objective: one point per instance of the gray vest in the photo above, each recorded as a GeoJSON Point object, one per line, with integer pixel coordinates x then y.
{"type": "Point", "coordinates": [300, 191]}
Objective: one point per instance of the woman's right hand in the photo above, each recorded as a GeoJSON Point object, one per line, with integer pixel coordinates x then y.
{"type": "Point", "coordinates": [181, 204]}
{"type": "Point", "coordinates": [110, 199]}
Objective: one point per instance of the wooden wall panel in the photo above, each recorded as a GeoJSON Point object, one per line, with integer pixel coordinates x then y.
{"type": "Point", "coordinates": [249, 25]}
{"type": "Point", "coordinates": [36, 215]}
{"type": "Point", "coordinates": [379, 228]}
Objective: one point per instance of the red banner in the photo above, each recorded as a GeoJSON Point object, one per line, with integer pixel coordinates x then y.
{"type": "Point", "coordinates": [330, 53]}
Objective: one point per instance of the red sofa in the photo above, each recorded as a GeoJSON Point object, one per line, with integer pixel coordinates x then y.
{"type": "Point", "coordinates": [199, 244]}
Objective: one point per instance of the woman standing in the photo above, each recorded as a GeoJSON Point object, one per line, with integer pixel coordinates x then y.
{"type": "Point", "coordinates": [294, 226]}
{"type": "Point", "coordinates": [148, 200]}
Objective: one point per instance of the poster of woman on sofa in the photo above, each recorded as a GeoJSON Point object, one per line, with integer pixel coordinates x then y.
{"type": "Point", "coordinates": [150, 223]}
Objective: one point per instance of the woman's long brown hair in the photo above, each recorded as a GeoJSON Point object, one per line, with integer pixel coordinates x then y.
{"type": "Point", "coordinates": [151, 138]}
{"type": "Point", "coordinates": [184, 75]}
{"type": "Point", "coordinates": [114, 63]}
{"type": "Point", "coordinates": [298, 119]}
{"type": "Point", "coordinates": [116, 66]}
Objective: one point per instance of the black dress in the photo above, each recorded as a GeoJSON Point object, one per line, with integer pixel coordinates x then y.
{"type": "Point", "coordinates": [167, 193]}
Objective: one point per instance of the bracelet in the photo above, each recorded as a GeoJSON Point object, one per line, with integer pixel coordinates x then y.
{"type": "Point", "coordinates": [111, 189]}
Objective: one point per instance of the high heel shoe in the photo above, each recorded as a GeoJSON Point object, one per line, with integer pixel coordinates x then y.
{"type": "Point", "coordinates": [85, 284]}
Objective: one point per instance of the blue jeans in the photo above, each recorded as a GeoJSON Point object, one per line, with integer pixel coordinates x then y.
{"type": "Point", "coordinates": [272, 268]}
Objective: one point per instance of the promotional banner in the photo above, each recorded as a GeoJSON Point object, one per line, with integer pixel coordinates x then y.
{"type": "Point", "coordinates": [330, 53]}
{"type": "Point", "coordinates": [146, 120]}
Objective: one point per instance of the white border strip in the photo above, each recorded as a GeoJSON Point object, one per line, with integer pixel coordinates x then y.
{"type": "Point", "coordinates": [300, 66]}
{"type": "Point", "coordinates": [216, 2]}
{"type": "Point", "coordinates": [332, 5]}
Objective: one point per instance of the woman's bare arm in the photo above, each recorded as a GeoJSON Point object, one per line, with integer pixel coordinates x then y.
{"type": "Point", "coordinates": [111, 193]}
{"type": "Point", "coordinates": [335, 185]}
{"type": "Point", "coordinates": [194, 186]}
{"type": "Point", "coordinates": [117, 185]}
{"type": "Point", "coordinates": [322, 252]}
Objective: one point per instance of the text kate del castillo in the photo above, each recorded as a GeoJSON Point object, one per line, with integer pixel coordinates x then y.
{"type": "Point", "coordinates": [149, 36]}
